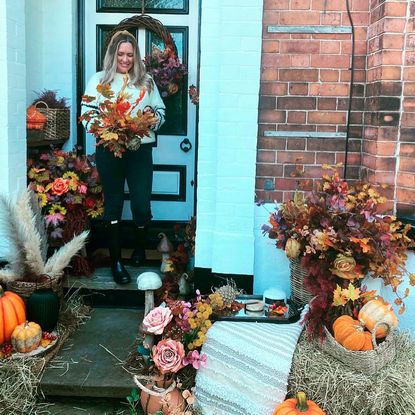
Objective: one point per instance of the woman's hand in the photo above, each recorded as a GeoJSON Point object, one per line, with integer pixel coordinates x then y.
{"type": "Point", "coordinates": [149, 110]}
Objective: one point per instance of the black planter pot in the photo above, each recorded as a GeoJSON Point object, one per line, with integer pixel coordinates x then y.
{"type": "Point", "coordinates": [42, 307]}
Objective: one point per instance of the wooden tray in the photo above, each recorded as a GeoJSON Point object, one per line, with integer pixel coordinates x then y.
{"type": "Point", "coordinates": [40, 351]}
{"type": "Point", "coordinates": [291, 316]}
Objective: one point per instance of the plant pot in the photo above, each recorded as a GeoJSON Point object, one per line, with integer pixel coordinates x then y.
{"type": "Point", "coordinates": [160, 394]}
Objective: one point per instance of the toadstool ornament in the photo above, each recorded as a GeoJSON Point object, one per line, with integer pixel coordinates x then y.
{"type": "Point", "coordinates": [148, 282]}
{"type": "Point", "coordinates": [165, 247]}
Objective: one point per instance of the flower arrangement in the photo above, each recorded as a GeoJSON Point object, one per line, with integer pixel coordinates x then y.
{"type": "Point", "coordinates": [340, 237]}
{"type": "Point", "coordinates": [174, 333]}
{"type": "Point", "coordinates": [115, 123]}
{"type": "Point", "coordinates": [166, 69]}
{"type": "Point", "coordinates": [68, 191]}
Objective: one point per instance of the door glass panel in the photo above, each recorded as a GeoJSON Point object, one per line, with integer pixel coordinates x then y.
{"type": "Point", "coordinates": [176, 105]}
{"type": "Point", "coordinates": [151, 6]}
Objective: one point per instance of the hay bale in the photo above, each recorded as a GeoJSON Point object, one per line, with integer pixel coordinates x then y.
{"type": "Point", "coordinates": [338, 389]}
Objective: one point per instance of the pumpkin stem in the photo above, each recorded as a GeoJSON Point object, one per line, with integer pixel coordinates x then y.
{"type": "Point", "coordinates": [1, 291]}
{"type": "Point", "coordinates": [301, 402]}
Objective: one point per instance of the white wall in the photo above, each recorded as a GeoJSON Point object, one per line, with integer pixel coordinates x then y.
{"type": "Point", "coordinates": [51, 52]}
{"type": "Point", "coordinates": [228, 113]}
{"type": "Point", "coordinates": [12, 101]}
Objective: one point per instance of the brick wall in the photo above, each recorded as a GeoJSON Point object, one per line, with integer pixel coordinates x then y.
{"type": "Point", "coordinates": [305, 88]}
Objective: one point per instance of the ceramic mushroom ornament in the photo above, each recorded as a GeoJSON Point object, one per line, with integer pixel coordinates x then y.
{"type": "Point", "coordinates": [165, 247]}
{"type": "Point", "coordinates": [148, 282]}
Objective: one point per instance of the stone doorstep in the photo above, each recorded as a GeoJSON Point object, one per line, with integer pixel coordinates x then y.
{"type": "Point", "coordinates": [83, 368]}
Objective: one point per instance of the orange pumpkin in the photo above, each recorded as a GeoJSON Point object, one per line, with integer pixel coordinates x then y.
{"type": "Point", "coordinates": [349, 333]}
{"type": "Point", "coordinates": [299, 405]}
{"type": "Point", "coordinates": [12, 313]}
{"type": "Point", "coordinates": [378, 311]}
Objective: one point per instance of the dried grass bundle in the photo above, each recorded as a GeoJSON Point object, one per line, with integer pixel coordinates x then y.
{"type": "Point", "coordinates": [341, 390]}
{"type": "Point", "coordinates": [26, 231]}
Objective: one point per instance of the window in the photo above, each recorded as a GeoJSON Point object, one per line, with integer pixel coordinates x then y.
{"type": "Point", "coordinates": [151, 6]}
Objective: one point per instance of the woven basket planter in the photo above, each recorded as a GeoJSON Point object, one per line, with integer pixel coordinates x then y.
{"type": "Point", "coordinates": [57, 123]}
{"type": "Point", "coordinates": [299, 295]}
{"type": "Point", "coordinates": [369, 361]}
{"type": "Point", "coordinates": [25, 288]}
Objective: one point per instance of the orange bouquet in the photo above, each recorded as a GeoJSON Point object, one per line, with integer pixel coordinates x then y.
{"type": "Point", "coordinates": [113, 122]}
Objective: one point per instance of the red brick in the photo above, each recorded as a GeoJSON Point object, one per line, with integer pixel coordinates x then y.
{"type": "Point", "coordinates": [394, 24]}
{"type": "Point", "coordinates": [295, 157]}
{"type": "Point", "coordinates": [328, 5]}
{"type": "Point", "coordinates": [265, 156]}
{"type": "Point", "coordinates": [406, 180]}
{"type": "Point", "coordinates": [265, 127]}
{"type": "Point", "coordinates": [271, 17]}
{"type": "Point", "coordinates": [296, 144]}
{"type": "Point", "coordinates": [299, 18]}
{"type": "Point", "coordinates": [271, 116]}
{"type": "Point", "coordinates": [409, 74]}
{"type": "Point", "coordinates": [330, 61]}
{"type": "Point", "coordinates": [298, 89]}
{"type": "Point", "coordinates": [331, 19]}
{"type": "Point", "coordinates": [329, 75]}
{"type": "Point", "coordinates": [405, 195]}
{"type": "Point", "coordinates": [268, 170]}
{"type": "Point", "coordinates": [407, 164]}
{"type": "Point", "coordinates": [328, 89]}
{"type": "Point", "coordinates": [275, 60]}
{"type": "Point", "coordinates": [268, 143]}
{"type": "Point", "coordinates": [408, 119]}
{"type": "Point", "coordinates": [385, 163]}
{"type": "Point", "coordinates": [353, 159]}
{"type": "Point", "coordinates": [300, 4]}
{"type": "Point", "coordinates": [409, 104]}
{"type": "Point", "coordinates": [396, 9]}
{"type": "Point", "coordinates": [326, 144]}
{"type": "Point", "coordinates": [321, 117]}
{"type": "Point", "coordinates": [326, 158]}
{"type": "Point", "coordinates": [276, 4]}
{"type": "Point", "coordinates": [300, 61]}
{"type": "Point", "coordinates": [298, 75]}
{"type": "Point", "coordinates": [392, 41]}
{"type": "Point", "coordinates": [408, 150]}
{"type": "Point", "coordinates": [274, 88]}
{"type": "Point", "coordinates": [300, 46]}
{"type": "Point", "coordinates": [360, 5]}
{"type": "Point", "coordinates": [297, 117]}
{"type": "Point", "coordinates": [270, 46]}
{"type": "Point", "coordinates": [299, 103]}
{"type": "Point", "coordinates": [292, 184]}
{"type": "Point", "coordinates": [327, 128]}
{"type": "Point", "coordinates": [327, 104]}
{"type": "Point", "coordinates": [410, 42]}
{"type": "Point", "coordinates": [269, 196]}
{"type": "Point", "coordinates": [409, 58]}
{"type": "Point", "coordinates": [329, 47]}
{"type": "Point", "coordinates": [269, 74]}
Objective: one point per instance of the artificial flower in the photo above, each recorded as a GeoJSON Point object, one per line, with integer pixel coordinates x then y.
{"type": "Point", "coordinates": [168, 356]}
{"type": "Point", "coordinates": [157, 319]}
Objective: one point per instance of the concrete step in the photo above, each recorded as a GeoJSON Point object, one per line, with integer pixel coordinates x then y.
{"type": "Point", "coordinates": [84, 367]}
{"type": "Point", "coordinates": [101, 290]}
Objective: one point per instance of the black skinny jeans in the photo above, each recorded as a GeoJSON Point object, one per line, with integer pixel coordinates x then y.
{"type": "Point", "coordinates": [137, 168]}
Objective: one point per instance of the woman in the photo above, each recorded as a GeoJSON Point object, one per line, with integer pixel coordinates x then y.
{"type": "Point", "coordinates": [136, 166]}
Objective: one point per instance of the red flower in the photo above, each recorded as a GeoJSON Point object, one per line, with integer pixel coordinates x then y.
{"type": "Point", "coordinates": [89, 203]}
{"type": "Point", "coordinates": [60, 186]}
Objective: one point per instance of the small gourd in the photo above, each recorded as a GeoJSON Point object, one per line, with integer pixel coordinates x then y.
{"type": "Point", "coordinates": [26, 337]}
{"type": "Point", "coordinates": [378, 311]}
{"type": "Point", "coordinates": [12, 313]}
{"type": "Point", "coordinates": [299, 405]}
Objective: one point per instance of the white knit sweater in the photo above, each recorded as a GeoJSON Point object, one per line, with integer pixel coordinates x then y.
{"type": "Point", "coordinates": [152, 99]}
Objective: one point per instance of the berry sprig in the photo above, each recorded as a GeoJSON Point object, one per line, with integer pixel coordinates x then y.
{"type": "Point", "coordinates": [6, 350]}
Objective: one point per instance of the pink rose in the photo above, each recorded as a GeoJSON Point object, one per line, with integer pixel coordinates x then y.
{"type": "Point", "coordinates": [60, 186]}
{"type": "Point", "coordinates": [82, 189]}
{"type": "Point", "coordinates": [168, 356]}
{"type": "Point", "coordinates": [157, 319]}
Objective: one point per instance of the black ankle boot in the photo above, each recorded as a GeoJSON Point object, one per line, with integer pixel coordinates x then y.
{"type": "Point", "coordinates": [119, 273]}
{"type": "Point", "coordinates": [139, 254]}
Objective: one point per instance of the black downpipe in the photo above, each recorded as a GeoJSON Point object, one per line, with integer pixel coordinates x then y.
{"type": "Point", "coordinates": [349, 110]}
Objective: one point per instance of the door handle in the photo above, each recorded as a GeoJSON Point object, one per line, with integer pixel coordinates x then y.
{"type": "Point", "coordinates": [186, 145]}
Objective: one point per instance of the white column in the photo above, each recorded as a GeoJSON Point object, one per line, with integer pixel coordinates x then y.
{"type": "Point", "coordinates": [12, 100]}
{"type": "Point", "coordinates": [231, 34]}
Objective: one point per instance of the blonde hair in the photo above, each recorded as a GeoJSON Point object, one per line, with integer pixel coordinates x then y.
{"type": "Point", "coordinates": [138, 73]}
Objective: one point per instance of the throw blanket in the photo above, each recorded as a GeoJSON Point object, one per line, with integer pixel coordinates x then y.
{"type": "Point", "coordinates": [247, 367]}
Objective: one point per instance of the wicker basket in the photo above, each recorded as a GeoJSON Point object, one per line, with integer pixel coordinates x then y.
{"type": "Point", "coordinates": [57, 124]}
{"type": "Point", "coordinates": [299, 295]}
{"type": "Point", "coordinates": [368, 362]}
{"type": "Point", "coordinates": [25, 288]}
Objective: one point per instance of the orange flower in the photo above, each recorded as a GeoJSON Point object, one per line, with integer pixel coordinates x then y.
{"type": "Point", "coordinates": [363, 243]}
{"type": "Point", "coordinates": [60, 186]}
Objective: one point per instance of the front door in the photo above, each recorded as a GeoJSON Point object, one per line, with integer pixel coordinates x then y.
{"type": "Point", "coordinates": [174, 153]}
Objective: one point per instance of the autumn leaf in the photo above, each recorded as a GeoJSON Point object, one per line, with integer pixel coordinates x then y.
{"type": "Point", "coordinates": [87, 98]}
{"type": "Point", "coordinates": [411, 278]}
{"type": "Point", "coordinates": [107, 136]}
{"type": "Point", "coordinates": [338, 298]}
{"type": "Point", "coordinates": [105, 90]}
{"type": "Point", "coordinates": [363, 243]}
{"type": "Point", "coordinates": [352, 293]}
